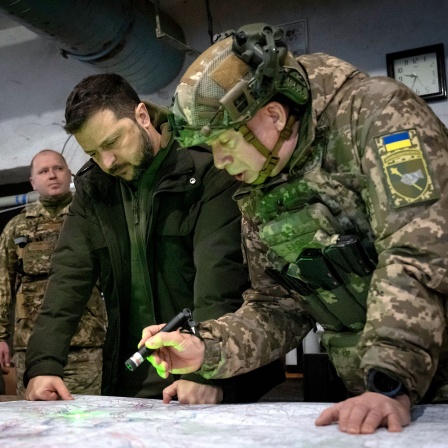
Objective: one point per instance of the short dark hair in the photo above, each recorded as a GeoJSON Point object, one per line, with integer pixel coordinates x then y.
{"type": "Point", "coordinates": [96, 93]}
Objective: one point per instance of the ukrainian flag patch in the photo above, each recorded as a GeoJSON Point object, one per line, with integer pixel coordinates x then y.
{"type": "Point", "coordinates": [397, 141]}
{"type": "Point", "coordinates": [404, 163]}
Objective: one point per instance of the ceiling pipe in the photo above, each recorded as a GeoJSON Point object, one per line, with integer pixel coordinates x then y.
{"type": "Point", "coordinates": [112, 35]}
{"type": "Point", "coordinates": [25, 198]}
{"type": "Point", "coordinates": [19, 199]}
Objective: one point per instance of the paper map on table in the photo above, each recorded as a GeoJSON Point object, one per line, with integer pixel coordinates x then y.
{"type": "Point", "coordinates": [112, 422]}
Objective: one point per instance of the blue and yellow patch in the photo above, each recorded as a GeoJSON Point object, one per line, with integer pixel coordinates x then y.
{"type": "Point", "coordinates": [404, 164]}
{"type": "Point", "coordinates": [397, 141]}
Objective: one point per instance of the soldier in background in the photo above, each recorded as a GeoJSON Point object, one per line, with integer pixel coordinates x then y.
{"type": "Point", "coordinates": [345, 223]}
{"type": "Point", "coordinates": [26, 245]}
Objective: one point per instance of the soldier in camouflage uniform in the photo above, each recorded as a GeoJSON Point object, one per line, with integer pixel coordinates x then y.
{"type": "Point", "coordinates": [345, 223]}
{"type": "Point", "coordinates": [26, 245]}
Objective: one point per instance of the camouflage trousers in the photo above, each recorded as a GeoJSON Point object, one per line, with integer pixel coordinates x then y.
{"type": "Point", "coordinates": [82, 374]}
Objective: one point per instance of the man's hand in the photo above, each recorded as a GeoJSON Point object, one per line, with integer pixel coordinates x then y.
{"type": "Point", "coordinates": [5, 361]}
{"type": "Point", "coordinates": [47, 388]}
{"type": "Point", "coordinates": [367, 412]}
{"type": "Point", "coordinates": [176, 352]}
{"type": "Point", "coordinates": [189, 392]}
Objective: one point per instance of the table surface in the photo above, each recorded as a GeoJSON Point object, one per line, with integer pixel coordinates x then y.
{"type": "Point", "coordinates": [93, 421]}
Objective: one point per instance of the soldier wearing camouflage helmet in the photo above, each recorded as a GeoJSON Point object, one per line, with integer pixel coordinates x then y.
{"type": "Point", "coordinates": [26, 245]}
{"type": "Point", "coordinates": [345, 223]}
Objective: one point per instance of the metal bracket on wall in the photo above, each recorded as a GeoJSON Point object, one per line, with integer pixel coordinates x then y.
{"type": "Point", "coordinates": [170, 39]}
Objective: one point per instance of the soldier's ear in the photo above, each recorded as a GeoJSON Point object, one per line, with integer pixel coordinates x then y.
{"type": "Point", "coordinates": [142, 115]}
{"type": "Point", "coordinates": [277, 113]}
{"type": "Point", "coordinates": [32, 183]}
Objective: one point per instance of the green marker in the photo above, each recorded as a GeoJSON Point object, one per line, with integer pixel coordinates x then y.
{"type": "Point", "coordinates": [175, 323]}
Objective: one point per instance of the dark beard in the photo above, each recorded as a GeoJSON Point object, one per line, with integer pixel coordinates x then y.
{"type": "Point", "coordinates": [147, 153]}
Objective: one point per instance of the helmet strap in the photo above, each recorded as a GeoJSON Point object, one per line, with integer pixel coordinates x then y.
{"type": "Point", "coordinates": [272, 158]}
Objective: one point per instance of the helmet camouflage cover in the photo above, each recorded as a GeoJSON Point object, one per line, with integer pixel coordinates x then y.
{"type": "Point", "coordinates": [228, 83]}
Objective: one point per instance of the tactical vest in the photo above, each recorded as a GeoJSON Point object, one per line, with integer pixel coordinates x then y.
{"type": "Point", "coordinates": [34, 248]}
{"type": "Point", "coordinates": [320, 247]}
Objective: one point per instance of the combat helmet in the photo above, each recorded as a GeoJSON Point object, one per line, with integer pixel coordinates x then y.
{"type": "Point", "coordinates": [228, 83]}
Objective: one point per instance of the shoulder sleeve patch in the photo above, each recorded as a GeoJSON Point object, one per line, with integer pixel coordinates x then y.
{"type": "Point", "coordinates": [405, 167]}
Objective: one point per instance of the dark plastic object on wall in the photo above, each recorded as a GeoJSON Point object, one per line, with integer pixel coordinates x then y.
{"type": "Point", "coordinates": [112, 35]}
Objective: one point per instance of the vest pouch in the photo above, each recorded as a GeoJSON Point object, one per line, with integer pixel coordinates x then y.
{"type": "Point", "coordinates": [311, 301]}
{"type": "Point", "coordinates": [314, 305]}
{"type": "Point", "coordinates": [36, 257]}
{"type": "Point", "coordinates": [341, 303]}
{"type": "Point", "coordinates": [312, 268]}
{"type": "Point", "coordinates": [353, 264]}
{"type": "Point", "coordinates": [293, 231]}
{"type": "Point", "coordinates": [358, 287]}
{"type": "Point", "coordinates": [343, 353]}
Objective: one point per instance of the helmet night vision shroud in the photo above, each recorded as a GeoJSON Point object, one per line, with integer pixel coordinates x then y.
{"type": "Point", "coordinates": [228, 83]}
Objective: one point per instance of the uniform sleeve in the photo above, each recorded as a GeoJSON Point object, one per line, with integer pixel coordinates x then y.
{"type": "Point", "coordinates": [403, 149]}
{"type": "Point", "coordinates": [73, 273]}
{"type": "Point", "coordinates": [8, 272]}
{"type": "Point", "coordinates": [268, 325]}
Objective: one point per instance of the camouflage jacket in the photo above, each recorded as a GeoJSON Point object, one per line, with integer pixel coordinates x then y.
{"type": "Point", "coordinates": [376, 156]}
{"type": "Point", "coordinates": [24, 270]}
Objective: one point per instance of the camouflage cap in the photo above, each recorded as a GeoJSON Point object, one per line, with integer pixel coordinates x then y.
{"type": "Point", "coordinates": [220, 90]}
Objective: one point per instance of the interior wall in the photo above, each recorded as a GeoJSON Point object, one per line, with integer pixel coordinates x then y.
{"type": "Point", "coordinates": [359, 31]}
{"type": "Point", "coordinates": [36, 80]}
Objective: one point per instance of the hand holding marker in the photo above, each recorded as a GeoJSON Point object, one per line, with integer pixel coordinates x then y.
{"type": "Point", "coordinates": [175, 323]}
